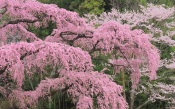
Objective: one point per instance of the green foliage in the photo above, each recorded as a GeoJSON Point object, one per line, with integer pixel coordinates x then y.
{"type": "Point", "coordinates": [165, 75]}
{"type": "Point", "coordinates": [42, 31]}
{"type": "Point", "coordinates": [141, 98]}
{"type": "Point", "coordinates": [123, 5]}
{"type": "Point", "coordinates": [80, 6]}
{"type": "Point", "coordinates": [92, 7]}
{"type": "Point", "coordinates": [32, 83]}
{"type": "Point", "coordinates": [166, 2]}
{"type": "Point", "coordinates": [143, 2]}
{"type": "Point", "coordinates": [165, 50]}
{"type": "Point", "coordinates": [100, 62]}
{"type": "Point", "coordinates": [99, 6]}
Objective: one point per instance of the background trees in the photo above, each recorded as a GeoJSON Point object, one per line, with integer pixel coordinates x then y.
{"type": "Point", "coordinates": [99, 6]}
{"type": "Point", "coordinates": [80, 6]}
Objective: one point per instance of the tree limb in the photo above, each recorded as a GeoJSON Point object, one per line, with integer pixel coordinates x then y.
{"type": "Point", "coordinates": [74, 39]}
{"type": "Point", "coordinates": [19, 21]}
{"type": "Point", "coordinates": [146, 102]}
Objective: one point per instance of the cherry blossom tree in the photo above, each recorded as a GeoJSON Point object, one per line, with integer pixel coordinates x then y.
{"type": "Point", "coordinates": [68, 51]}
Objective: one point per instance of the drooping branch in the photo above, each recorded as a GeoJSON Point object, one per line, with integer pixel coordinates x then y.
{"type": "Point", "coordinates": [75, 84]}
{"type": "Point", "coordinates": [3, 69]}
{"type": "Point", "coordinates": [30, 53]}
{"type": "Point", "coordinates": [118, 48]}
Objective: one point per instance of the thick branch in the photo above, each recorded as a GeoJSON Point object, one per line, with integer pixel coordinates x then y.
{"type": "Point", "coordinates": [27, 54]}
{"type": "Point", "coordinates": [94, 47]}
{"type": "Point", "coordinates": [19, 21]}
{"type": "Point", "coordinates": [30, 53]}
{"type": "Point", "coordinates": [62, 34]}
{"type": "Point", "coordinates": [106, 61]}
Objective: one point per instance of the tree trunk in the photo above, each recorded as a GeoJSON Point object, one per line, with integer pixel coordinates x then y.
{"type": "Point", "coordinates": [132, 98]}
{"type": "Point", "coordinates": [123, 83]}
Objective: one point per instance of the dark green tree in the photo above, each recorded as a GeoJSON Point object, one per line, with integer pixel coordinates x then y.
{"type": "Point", "coordinates": [80, 6]}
